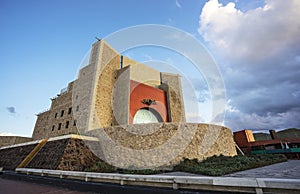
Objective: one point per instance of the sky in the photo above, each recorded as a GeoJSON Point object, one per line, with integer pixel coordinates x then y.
{"type": "Point", "coordinates": [256, 45]}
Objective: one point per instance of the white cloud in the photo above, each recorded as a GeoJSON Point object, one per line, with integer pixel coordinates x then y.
{"type": "Point", "coordinates": [6, 134]}
{"type": "Point", "coordinates": [254, 34]}
{"type": "Point", "coordinates": [258, 52]}
{"type": "Point", "coordinates": [177, 4]}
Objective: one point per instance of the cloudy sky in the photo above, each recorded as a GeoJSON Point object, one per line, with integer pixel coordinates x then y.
{"type": "Point", "coordinates": [256, 45]}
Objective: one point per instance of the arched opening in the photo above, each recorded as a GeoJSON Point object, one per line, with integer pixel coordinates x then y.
{"type": "Point", "coordinates": [147, 115]}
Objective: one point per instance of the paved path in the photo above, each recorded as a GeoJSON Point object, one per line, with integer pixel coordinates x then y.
{"type": "Point", "coordinates": [284, 170]}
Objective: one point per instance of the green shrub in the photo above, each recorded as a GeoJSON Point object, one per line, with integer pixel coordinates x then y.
{"type": "Point", "coordinates": [102, 167]}
{"type": "Point", "coordinates": [144, 172]}
{"type": "Point", "coordinates": [212, 166]}
{"type": "Point", "coordinates": [221, 165]}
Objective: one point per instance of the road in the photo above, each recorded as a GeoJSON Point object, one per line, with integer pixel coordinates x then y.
{"type": "Point", "coordinates": [13, 183]}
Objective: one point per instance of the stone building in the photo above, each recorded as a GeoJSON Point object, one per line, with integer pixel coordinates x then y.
{"type": "Point", "coordinates": [58, 120]}
{"type": "Point", "coordinates": [112, 90]}
{"type": "Point", "coordinates": [119, 111]}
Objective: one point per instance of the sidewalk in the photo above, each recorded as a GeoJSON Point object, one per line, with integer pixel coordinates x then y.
{"type": "Point", "coordinates": [284, 170]}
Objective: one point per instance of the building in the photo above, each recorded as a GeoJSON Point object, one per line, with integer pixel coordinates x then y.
{"type": "Point", "coordinates": [288, 146]}
{"type": "Point", "coordinates": [125, 92]}
{"type": "Point", "coordinates": [120, 111]}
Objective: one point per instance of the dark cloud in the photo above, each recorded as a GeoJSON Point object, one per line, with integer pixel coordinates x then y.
{"type": "Point", "coordinates": [11, 110]}
{"type": "Point", "coordinates": [259, 55]}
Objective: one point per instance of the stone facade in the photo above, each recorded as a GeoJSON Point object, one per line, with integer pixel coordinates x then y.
{"type": "Point", "coordinates": [59, 119]}
{"type": "Point", "coordinates": [159, 145]}
{"type": "Point", "coordinates": [11, 157]}
{"type": "Point", "coordinates": [11, 140]}
{"type": "Point", "coordinates": [120, 106]}
{"type": "Point", "coordinates": [172, 85]}
{"type": "Point", "coordinates": [142, 73]}
{"type": "Point", "coordinates": [66, 153]}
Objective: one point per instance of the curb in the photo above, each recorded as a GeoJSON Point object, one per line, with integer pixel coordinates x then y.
{"type": "Point", "coordinates": [229, 184]}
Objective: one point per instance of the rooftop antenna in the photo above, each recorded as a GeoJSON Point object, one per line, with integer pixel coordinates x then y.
{"type": "Point", "coordinates": [97, 38]}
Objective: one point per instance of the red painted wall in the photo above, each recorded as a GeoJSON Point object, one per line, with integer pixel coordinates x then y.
{"type": "Point", "coordinates": [243, 138]}
{"type": "Point", "coordinates": [139, 92]}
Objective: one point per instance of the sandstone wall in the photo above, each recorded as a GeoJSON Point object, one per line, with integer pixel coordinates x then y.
{"type": "Point", "coordinates": [59, 120]}
{"type": "Point", "coordinates": [142, 73]}
{"type": "Point", "coordinates": [157, 145]}
{"type": "Point", "coordinates": [110, 63]}
{"type": "Point", "coordinates": [121, 97]}
{"type": "Point", "coordinates": [11, 140]}
{"type": "Point", "coordinates": [172, 85]}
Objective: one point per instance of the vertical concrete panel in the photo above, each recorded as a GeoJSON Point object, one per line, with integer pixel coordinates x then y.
{"type": "Point", "coordinates": [121, 97]}
{"type": "Point", "coordinates": [83, 92]}
{"type": "Point", "coordinates": [172, 85]}
{"type": "Point", "coordinates": [142, 73]}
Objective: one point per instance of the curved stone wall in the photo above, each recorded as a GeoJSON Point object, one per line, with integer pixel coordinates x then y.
{"type": "Point", "coordinates": [157, 145]}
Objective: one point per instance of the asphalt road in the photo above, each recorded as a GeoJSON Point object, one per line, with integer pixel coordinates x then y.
{"type": "Point", "coordinates": [13, 183]}
{"type": "Point", "coordinates": [8, 186]}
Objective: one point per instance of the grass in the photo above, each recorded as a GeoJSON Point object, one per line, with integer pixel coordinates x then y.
{"type": "Point", "coordinates": [212, 166]}
{"type": "Point", "coordinates": [221, 165]}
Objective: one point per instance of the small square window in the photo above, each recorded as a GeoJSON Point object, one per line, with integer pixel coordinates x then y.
{"type": "Point", "coordinates": [59, 126]}
{"type": "Point", "coordinates": [55, 115]}
{"type": "Point", "coordinates": [62, 113]}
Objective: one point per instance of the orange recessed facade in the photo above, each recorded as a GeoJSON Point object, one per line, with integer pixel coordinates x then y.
{"type": "Point", "coordinates": [140, 92]}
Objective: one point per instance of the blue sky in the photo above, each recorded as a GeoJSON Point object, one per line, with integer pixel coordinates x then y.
{"type": "Point", "coordinates": [43, 43]}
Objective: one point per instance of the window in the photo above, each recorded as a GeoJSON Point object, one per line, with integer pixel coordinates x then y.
{"type": "Point", "coordinates": [62, 113]}
{"type": "Point", "coordinates": [77, 108]}
{"type": "Point", "coordinates": [70, 110]}
{"type": "Point", "coordinates": [67, 124]}
{"type": "Point", "coordinates": [147, 116]}
{"type": "Point", "coordinates": [55, 115]}
{"type": "Point", "coordinates": [74, 123]}
{"type": "Point", "coordinates": [59, 126]}
{"type": "Point", "coordinates": [53, 126]}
